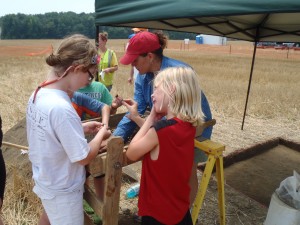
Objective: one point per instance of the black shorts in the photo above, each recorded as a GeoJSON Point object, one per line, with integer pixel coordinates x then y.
{"type": "Point", "coordinates": [148, 220]}
{"type": "Point", "coordinates": [2, 176]}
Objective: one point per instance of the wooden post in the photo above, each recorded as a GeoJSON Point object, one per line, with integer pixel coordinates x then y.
{"type": "Point", "coordinates": [109, 164]}
{"type": "Point", "coordinates": [113, 177]}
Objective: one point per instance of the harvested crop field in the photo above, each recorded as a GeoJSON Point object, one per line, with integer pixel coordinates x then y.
{"type": "Point", "coordinates": [273, 112]}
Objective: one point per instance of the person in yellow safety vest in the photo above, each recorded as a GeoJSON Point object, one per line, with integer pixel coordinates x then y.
{"type": "Point", "coordinates": [108, 64]}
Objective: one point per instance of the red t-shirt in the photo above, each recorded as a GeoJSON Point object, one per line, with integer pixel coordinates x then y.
{"type": "Point", "coordinates": [164, 189]}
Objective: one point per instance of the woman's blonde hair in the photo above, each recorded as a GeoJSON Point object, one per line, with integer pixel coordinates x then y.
{"type": "Point", "coordinates": [76, 49]}
{"type": "Point", "coordinates": [182, 86]}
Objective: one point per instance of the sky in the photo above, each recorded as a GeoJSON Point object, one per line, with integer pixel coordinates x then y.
{"type": "Point", "coordinates": [43, 6]}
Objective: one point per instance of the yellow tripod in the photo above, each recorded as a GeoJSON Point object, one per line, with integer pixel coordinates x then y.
{"type": "Point", "coordinates": [214, 151]}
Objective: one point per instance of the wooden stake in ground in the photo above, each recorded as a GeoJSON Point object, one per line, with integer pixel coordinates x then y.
{"type": "Point", "coordinates": [14, 145]}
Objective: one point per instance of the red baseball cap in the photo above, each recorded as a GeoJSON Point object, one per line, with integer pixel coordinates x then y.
{"type": "Point", "coordinates": [141, 43]}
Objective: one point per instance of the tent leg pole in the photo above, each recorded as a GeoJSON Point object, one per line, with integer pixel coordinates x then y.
{"type": "Point", "coordinates": [96, 35]}
{"type": "Point", "coordinates": [249, 84]}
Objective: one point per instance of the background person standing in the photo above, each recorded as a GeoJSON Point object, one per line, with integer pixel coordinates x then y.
{"type": "Point", "coordinates": [108, 64]}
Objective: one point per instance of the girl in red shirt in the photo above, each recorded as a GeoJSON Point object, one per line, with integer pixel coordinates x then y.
{"type": "Point", "coordinates": [167, 147]}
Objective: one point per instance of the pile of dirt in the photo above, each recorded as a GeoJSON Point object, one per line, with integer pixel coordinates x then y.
{"type": "Point", "coordinates": [14, 157]}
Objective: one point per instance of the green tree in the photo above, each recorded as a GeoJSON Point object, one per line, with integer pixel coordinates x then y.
{"type": "Point", "coordinates": [58, 25]}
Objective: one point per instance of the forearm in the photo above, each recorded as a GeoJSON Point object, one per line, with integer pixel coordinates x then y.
{"type": "Point", "coordinates": [105, 112]}
{"type": "Point", "coordinates": [130, 79]}
{"type": "Point", "coordinates": [137, 119]}
{"type": "Point", "coordinates": [113, 110]}
{"type": "Point", "coordinates": [112, 69]}
{"type": "Point", "coordinates": [144, 128]}
{"type": "Point", "coordinates": [94, 145]}
{"type": "Point", "coordinates": [131, 72]}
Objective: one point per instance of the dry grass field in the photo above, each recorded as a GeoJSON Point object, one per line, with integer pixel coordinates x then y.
{"type": "Point", "coordinates": [273, 108]}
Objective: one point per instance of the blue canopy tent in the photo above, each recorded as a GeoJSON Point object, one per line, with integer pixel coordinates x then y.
{"type": "Point", "coordinates": [254, 21]}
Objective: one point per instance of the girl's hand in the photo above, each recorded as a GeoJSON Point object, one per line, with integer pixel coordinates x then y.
{"type": "Point", "coordinates": [107, 70]}
{"type": "Point", "coordinates": [132, 108]}
{"type": "Point", "coordinates": [117, 102]}
{"type": "Point", "coordinates": [105, 132]}
{"type": "Point", "coordinates": [91, 127]}
{"type": "Point", "coordinates": [154, 116]}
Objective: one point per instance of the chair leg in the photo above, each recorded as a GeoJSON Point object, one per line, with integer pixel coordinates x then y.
{"type": "Point", "coordinates": [221, 192]}
{"type": "Point", "coordinates": [203, 187]}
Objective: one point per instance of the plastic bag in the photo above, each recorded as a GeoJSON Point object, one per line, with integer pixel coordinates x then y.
{"type": "Point", "coordinates": [289, 191]}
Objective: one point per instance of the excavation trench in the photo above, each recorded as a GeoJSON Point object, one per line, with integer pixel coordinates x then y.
{"type": "Point", "coordinates": [258, 171]}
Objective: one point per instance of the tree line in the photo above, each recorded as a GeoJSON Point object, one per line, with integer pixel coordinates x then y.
{"type": "Point", "coordinates": [58, 25]}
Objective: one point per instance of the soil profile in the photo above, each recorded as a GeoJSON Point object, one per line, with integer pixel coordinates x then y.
{"type": "Point", "coordinates": [259, 176]}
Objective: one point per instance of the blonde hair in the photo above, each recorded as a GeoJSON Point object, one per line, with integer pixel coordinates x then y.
{"type": "Point", "coordinates": [182, 86]}
{"type": "Point", "coordinates": [73, 50]}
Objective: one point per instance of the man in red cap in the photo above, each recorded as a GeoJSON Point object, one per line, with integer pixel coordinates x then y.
{"type": "Point", "coordinates": [133, 71]}
{"type": "Point", "coordinates": [144, 42]}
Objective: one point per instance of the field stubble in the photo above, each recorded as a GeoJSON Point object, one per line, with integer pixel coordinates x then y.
{"type": "Point", "coordinates": [273, 108]}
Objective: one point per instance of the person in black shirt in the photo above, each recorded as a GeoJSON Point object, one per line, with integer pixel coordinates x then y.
{"type": "Point", "coordinates": [2, 171]}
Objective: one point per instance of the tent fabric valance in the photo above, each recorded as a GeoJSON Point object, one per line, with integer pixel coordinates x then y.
{"type": "Point", "coordinates": [253, 20]}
